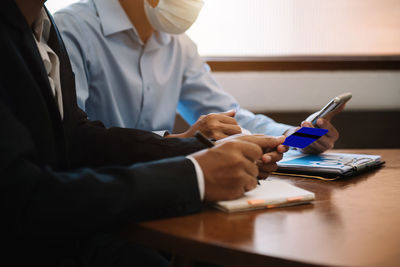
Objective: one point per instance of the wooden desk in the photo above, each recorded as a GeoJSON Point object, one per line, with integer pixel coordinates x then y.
{"type": "Point", "coordinates": [352, 222]}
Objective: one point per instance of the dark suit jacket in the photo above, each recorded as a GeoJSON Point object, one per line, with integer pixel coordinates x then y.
{"type": "Point", "coordinates": [68, 179]}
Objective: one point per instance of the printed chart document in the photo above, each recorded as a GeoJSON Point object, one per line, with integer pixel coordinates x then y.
{"type": "Point", "coordinates": [326, 166]}
{"type": "Point", "coordinates": [269, 194]}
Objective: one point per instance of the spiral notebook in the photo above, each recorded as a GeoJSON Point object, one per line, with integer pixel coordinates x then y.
{"type": "Point", "coordinates": [269, 194]}
{"type": "Point", "coordinates": [326, 166]}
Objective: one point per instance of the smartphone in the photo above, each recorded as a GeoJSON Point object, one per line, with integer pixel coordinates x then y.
{"type": "Point", "coordinates": [329, 108]}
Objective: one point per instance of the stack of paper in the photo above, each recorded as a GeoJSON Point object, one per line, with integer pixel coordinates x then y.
{"type": "Point", "coordinates": [327, 165]}
{"type": "Point", "coordinates": [269, 194]}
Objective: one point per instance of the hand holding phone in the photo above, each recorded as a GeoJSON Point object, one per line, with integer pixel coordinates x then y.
{"type": "Point", "coordinates": [328, 111]}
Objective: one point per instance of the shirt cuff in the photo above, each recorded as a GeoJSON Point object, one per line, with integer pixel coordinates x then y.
{"type": "Point", "coordinates": [161, 133]}
{"type": "Point", "coordinates": [200, 176]}
{"type": "Point", "coordinates": [245, 131]}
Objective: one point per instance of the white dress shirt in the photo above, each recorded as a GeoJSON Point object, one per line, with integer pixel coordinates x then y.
{"type": "Point", "coordinates": [41, 32]}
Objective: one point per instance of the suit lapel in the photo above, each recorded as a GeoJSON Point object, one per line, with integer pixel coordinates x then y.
{"type": "Point", "coordinates": [30, 52]}
{"type": "Point", "coordinates": [35, 64]}
{"type": "Point", "coordinates": [32, 96]}
{"type": "Point", "coordinates": [67, 80]}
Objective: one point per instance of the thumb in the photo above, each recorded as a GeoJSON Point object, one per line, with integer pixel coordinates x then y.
{"type": "Point", "coordinates": [306, 124]}
{"type": "Point", "coordinates": [270, 142]}
{"type": "Point", "coordinates": [229, 113]}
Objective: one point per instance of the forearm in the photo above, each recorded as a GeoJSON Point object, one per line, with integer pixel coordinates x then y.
{"type": "Point", "coordinates": [96, 146]}
{"type": "Point", "coordinates": [79, 203]}
{"type": "Point", "coordinates": [260, 124]}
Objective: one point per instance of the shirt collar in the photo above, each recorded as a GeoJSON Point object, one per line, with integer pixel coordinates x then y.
{"type": "Point", "coordinates": [41, 27]}
{"type": "Point", "coordinates": [112, 16]}
{"type": "Point", "coordinates": [114, 19]}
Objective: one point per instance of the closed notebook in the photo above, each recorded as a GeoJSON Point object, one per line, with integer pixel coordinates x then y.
{"type": "Point", "coordinates": [326, 166]}
{"type": "Point", "coordinates": [269, 194]}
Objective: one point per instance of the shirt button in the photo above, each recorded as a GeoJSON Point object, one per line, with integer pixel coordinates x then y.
{"type": "Point", "coordinates": [148, 88]}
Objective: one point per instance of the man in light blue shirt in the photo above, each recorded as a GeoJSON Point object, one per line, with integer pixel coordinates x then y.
{"type": "Point", "coordinates": [130, 77]}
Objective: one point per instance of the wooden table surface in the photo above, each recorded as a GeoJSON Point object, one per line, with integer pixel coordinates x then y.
{"type": "Point", "coordinates": [352, 222]}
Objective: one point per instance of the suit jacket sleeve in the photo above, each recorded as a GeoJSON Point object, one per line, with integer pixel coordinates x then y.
{"type": "Point", "coordinates": [91, 144]}
{"type": "Point", "coordinates": [40, 202]}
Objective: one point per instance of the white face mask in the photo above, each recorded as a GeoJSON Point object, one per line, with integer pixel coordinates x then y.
{"type": "Point", "coordinates": [173, 16]}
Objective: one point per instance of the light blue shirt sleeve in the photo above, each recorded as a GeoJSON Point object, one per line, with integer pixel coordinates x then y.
{"type": "Point", "coordinates": [202, 94]}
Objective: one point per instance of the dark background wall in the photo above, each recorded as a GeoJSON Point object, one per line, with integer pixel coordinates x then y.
{"type": "Point", "coordinates": [358, 129]}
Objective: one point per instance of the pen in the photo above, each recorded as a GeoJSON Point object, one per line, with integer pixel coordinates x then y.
{"type": "Point", "coordinates": [205, 141]}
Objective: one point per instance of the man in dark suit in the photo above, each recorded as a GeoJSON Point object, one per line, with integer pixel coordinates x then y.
{"type": "Point", "coordinates": [65, 179]}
